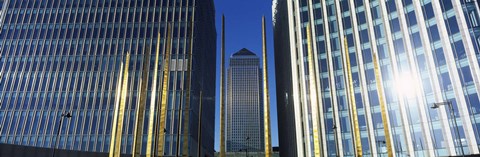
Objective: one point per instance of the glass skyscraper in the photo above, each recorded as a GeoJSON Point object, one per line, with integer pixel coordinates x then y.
{"type": "Point", "coordinates": [1, 11]}
{"type": "Point", "coordinates": [245, 123]}
{"type": "Point", "coordinates": [377, 77]}
{"type": "Point", "coordinates": [60, 56]}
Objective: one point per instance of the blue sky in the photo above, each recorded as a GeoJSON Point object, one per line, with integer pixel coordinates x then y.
{"type": "Point", "coordinates": [243, 27]}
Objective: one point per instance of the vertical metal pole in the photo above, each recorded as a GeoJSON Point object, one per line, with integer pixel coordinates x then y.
{"type": "Point", "coordinates": [188, 82]}
{"type": "Point", "coordinates": [56, 139]}
{"type": "Point", "coordinates": [121, 109]}
{"type": "Point", "coordinates": [313, 92]}
{"type": "Point", "coordinates": [336, 138]}
{"type": "Point", "coordinates": [138, 130]}
{"type": "Point", "coordinates": [457, 131]}
{"type": "Point", "coordinates": [222, 96]}
{"type": "Point", "coordinates": [351, 100]}
{"type": "Point", "coordinates": [199, 148]}
{"type": "Point", "coordinates": [164, 101]}
{"type": "Point", "coordinates": [266, 96]}
{"type": "Point", "coordinates": [115, 112]}
{"type": "Point", "coordinates": [383, 106]}
{"type": "Point", "coordinates": [151, 116]}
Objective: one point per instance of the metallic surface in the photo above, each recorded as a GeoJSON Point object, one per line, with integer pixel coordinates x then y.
{"type": "Point", "coordinates": [351, 99]}
{"type": "Point", "coordinates": [222, 94]}
{"type": "Point", "coordinates": [313, 93]}
{"type": "Point", "coordinates": [74, 66]}
{"type": "Point", "coordinates": [115, 112]}
{"type": "Point", "coordinates": [383, 107]}
{"type": "Point", "coordinates": [138, 134]}
{"type": "Point", "coordinates": [121, 109]}
{"type": "Point", "coordinates": [266, 96]}
{"type": "Point", "coordinates": [186, 109]}
{"type": "Point", "coordinates": [151, 118]}
{"type": "Point", "coordinates": [163, 108]}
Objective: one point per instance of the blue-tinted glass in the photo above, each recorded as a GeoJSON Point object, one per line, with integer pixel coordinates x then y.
{"type": "Point", "coordinates": [446, 5]}
{"type": "Point", "coordinates": [361, 18]}
{"type": "Point", "coordinates": [453, 25]}
{"type": "Point", "coordinates": [358, 3]}
{"type": "Point", "coordinates": [434, 34]}
{"type": "Point", "coordinates": [416, 40]}
{"type": "Point", "coordinates": [439, 57]}
{"type": "Point", "coordinates": [474, 103]}
{"type": "Point", "coordinates": [412, 20]}
{"type": "Point", "coordinates": [394, 23]}
{"type": "Point", "coordinates": [459, 49]}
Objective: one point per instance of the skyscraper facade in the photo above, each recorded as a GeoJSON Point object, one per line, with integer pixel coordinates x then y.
{"type": "Point", "coordinates": [1, 11]}
{"type": "Point", "coordinates": [245, 123]}
{"type": "Point", "coordinates": [60, 56]}
{"type": "Point", "coordinates": [377, 77]}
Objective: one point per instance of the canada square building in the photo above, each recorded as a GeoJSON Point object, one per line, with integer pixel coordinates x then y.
{"type": "Point", "coordinates": [377, 77]}
{"type": "Point", "coordinates": [66, 56]}
{"type": "Point", "coordinates": [245, 110]}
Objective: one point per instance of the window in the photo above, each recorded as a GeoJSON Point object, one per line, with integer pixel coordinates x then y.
{"type": "Point", "coordinates": [361, 18]}
{"type": "Point", "coordinates": [395, 25]}
{"type": "Point", "coordinates": [446, 5]}
{"type": "Point", "coordinates": [453, 25]}
{"type": "Point", "coordinates": [459, 50]}
{"type": "Point", "coordinates": [434, 34]}
{"type": "Point", "coordinates": [391, 6]}
{"type": "Point", "coordinates": [412, 20]}
{"type": "Point", "coordinates": [428, 11]}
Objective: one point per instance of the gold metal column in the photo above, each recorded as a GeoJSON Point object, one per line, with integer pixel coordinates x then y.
{"type": "Point", "coordinates": [313, 92]}
{"type": "Point", "coordinates": [138, 130]}
{"type": "Point", "coordinates": [266, 96]}
{"type": "Point", "coordinates": [222, 96]}
{"type": "Point", "coordinates": [111, 151]}
{"type": "Point", "coordinates": [117, 140]}
{"type": "Point", "coordinates": [163, 107]}
{"type": "Point", "coordinates": [151, 116]}
{"type": "Point", "coordinates": [383, 107]}
{"type": "Point", "coordinates": [351, 100]}
{"type": "Point", "coordinates": [188, 96]}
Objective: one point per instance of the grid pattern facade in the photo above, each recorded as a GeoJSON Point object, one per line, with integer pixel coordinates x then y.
{"type": "Point", "coordinates": [62, 56]}
{"type": "Point", "coordinates": [428, 51]}
{"type": "Point", "coordinates": [245, 129]}
{"type": "Point", "coordinates": [1, 11]}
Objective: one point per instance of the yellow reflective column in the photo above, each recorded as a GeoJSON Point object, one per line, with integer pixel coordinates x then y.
{"type": "Point", "coordinates": [111, 151]}
{"type": "Point", "coordinates": [163, 106]}
{"type": "Point", "coordinates": [383, 107]}
{"type": "Point", "coordinates": [222, 96]}
{"type": "Point", "coordinates": [151, 116]}
{"type": "Point", "coordinates": [188, 96]}
{"type": "Point", "coordinates": [266, 96]}
{"type": "Point", "coordinates": [313, 93]}
{"type": "Point", "coordinates": [138, 130]}
{"type": "Point", "coordinates": [351, 100]}
{"type": "Point", "coordinates": [119, 115]}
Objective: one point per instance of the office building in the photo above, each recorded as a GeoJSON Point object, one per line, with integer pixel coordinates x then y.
{"type": "Point", "coordinates": [377, 77]}
{"type": "Point", "coordinates": [1, 10]}
{"type": "Point", "coordinates": [64, 56]}
{"type": "Point", "coordinates": [245, 121]}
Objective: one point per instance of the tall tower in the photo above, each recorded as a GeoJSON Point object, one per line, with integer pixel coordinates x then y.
{"type": "Point", "coordinates": [245, 123]}
{"type": "Point", "coordinates": [60, 56]}
{"type": "Point", "coordinates": [377, 77]}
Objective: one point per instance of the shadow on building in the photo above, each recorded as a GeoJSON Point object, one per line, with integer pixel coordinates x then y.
{"type": "Point", "coordinates": [7, 150]}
